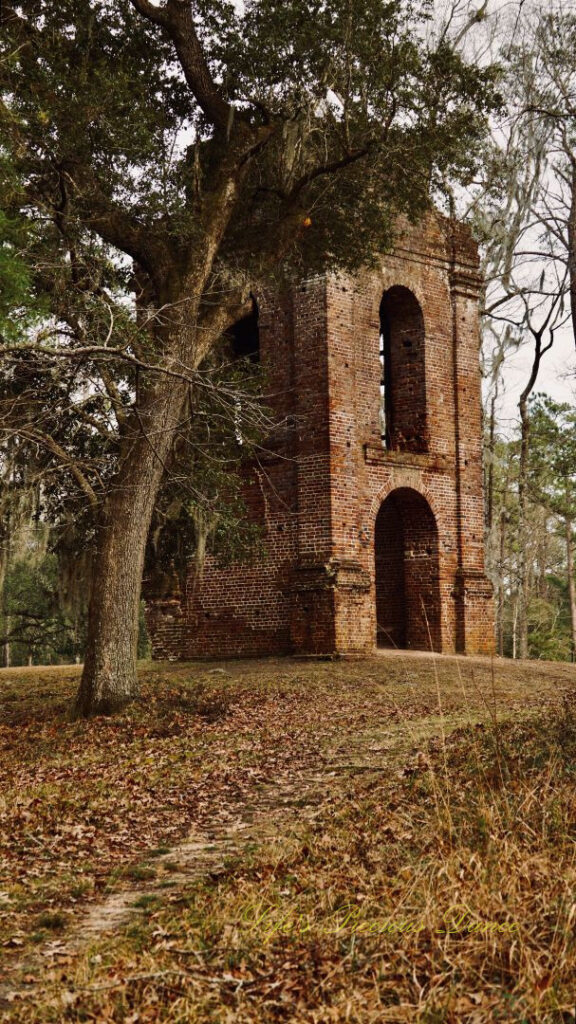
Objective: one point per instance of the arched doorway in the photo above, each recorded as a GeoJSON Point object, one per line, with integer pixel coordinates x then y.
{"type": "Point", "coordinates": [407, 573]}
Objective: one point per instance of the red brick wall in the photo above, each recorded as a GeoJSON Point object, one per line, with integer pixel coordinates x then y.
{"type": "Point", "coordinates": [319, 498]}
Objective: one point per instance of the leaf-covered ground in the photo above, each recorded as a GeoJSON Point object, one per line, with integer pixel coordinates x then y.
{"type": "Point", "coordinates": [434, 882]}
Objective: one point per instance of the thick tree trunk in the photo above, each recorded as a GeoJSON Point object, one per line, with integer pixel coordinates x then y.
{"type": "Point", "coordinates": [109, 679]}
{"type": "Point", "coordinates": [571, 583]}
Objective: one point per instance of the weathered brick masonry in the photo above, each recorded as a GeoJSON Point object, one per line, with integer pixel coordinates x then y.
{"type": "Point", "coordinates": [372, 504]}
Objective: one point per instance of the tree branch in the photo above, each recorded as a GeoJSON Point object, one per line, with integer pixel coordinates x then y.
{"type": "Point", "coordinates": [177, 20]}
{"type": "Point", "coordinates": [60, 453]}
{"type": "Point", "coordinates": [159, 15]}
{"type": "Point", "coordinates": [331, 167]}
{"type": "Point", "coordinates": [113, 224]}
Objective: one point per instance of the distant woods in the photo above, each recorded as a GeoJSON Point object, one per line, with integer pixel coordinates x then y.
{"type": "Point", "coordinates": [525, 217]}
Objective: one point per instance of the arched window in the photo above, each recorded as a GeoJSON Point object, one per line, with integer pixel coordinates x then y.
{"type": "Point", "coordinates": [245, 336]}
{"type": "Point", "coordinates": [244, 341]}
{"type": "Point", "coordinates": [403, 381]}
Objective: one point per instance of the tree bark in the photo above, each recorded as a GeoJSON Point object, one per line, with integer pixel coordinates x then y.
{"type": "Point", "coordinates": [500, 585]}
{"type": "Point", "coordinates": [523, 581]}
{"type": "Point", "coordinates": [489, 488]}
{"type": "Point", "coordinates": [4, 625]}
{"type": "Point", "coordinates": [571, 583]}
{"type": "Point", "coordinates": [109, 678]}
{"type": "Point", "coordinates": [522, 603]}
{"type": "Point", "coordinates": [514, 629]}
{"type": "Point", "coordinates": [572, 247]}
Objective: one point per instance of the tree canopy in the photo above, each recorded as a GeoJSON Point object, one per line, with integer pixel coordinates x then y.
{"type": "Point", "coordinates": [163, 160]}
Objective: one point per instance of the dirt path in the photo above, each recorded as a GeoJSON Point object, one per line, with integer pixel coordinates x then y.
{"type": "Point", "coordinates": [279, 813]}
{"type": "Point", "coordinates": [282, 811]}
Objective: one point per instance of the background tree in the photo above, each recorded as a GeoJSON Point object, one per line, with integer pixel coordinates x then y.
{"type": "Point", "coordinates": [539, 553]}
{"type": "Point", "coordinates": [553, 477]}
{"type": "Point", "coordinates": [550, 95]}
{"type": "Point", "coordinates": [522, 210]}
{"type": "Point", "coordinates": [19, 310]}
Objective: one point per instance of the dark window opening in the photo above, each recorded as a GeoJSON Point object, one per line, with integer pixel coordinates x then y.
{"type": "Point", "coordinates": [403, 421]}
{"type": "Point", "coordinates": [245, 336]}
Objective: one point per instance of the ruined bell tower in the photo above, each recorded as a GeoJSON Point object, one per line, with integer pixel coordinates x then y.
{"type": "Point", "coordinates": [371, 504]}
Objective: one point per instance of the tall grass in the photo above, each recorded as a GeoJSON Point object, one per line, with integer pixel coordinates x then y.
{"type": "Point", "coordinates": [443, 893]}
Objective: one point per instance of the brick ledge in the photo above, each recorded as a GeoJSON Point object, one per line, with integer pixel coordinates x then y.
{"type": "Point", "coordinates": [376, 455]}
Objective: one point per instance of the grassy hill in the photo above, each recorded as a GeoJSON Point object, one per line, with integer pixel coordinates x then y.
{"type": "Point", "coordinates": [391, 839]}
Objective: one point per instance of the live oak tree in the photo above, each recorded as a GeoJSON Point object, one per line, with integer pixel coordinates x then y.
{"type": "Point", "coordinates": [190, 153]}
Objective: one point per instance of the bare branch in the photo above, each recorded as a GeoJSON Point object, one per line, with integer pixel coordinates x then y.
{"type": "Point", "coordinates": [65, 458]}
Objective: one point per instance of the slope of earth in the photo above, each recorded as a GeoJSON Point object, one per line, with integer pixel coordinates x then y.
{"type": "Point", "coordinates": [279, 840]}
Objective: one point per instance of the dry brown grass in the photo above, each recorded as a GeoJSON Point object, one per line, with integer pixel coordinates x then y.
{"type": "Point", "coordinates": [440, 889]}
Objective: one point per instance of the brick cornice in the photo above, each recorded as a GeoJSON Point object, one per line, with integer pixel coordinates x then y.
{"type": "Point", "coordinates": [467, 282]}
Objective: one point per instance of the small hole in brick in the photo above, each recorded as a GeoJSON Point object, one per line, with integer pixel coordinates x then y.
{"type": "Point", "coordinates": [346, 365]}
{"type": "Point", "coordinates": [280, 527]}
{"type": "Point", "coordinates": [347, 444]}
{"type": "Point", "coordinates": [208, 615]}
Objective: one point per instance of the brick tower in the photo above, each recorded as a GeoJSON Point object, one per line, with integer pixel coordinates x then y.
{"type": "Point", "coordinates": [371, 502]}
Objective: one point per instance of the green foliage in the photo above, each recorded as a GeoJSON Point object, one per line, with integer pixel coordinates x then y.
{"type": "Point", "coordinates": [334, 80]}
{"type": "Point", "coordinates": [35, 624]}
{"type": "Point", "coordinates": [553, 455]}
{"type": "Point", "coordinates": [200, 509]}
{"type": "Point", "coordinates": [19, 305]}
{"type": "Point", "coordinates": [551, 502]}
{"type": "Point", "coordinates": [39, 625]}
{"type": "Point", "coordinates": [549, 625]}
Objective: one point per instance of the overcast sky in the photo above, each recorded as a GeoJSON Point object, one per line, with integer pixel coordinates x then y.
{"type": "Point", "coordinates": [558, 369]}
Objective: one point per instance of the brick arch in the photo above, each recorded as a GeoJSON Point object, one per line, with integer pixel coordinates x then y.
{"type": "Point", "coordinates": [382, 283]}
{"type": "Point", "coordinates": [407, 572]}
{"type": "Point", "coordinates": [405, 480]}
